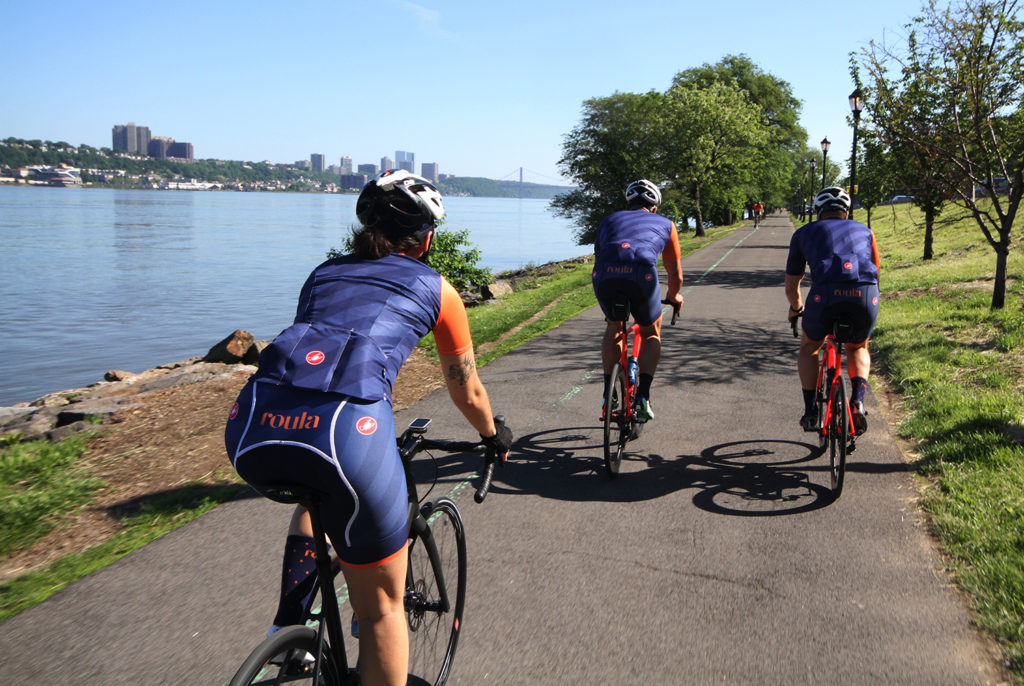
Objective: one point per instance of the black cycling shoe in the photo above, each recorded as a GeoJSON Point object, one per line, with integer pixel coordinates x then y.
{"type": "Point", "coordinates": [809, 422]}
{"type": "Point", "coordinates": [859, 414]}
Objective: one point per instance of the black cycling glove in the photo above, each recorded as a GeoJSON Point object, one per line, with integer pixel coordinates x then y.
{"type": "Point", "coordinates": [500, 442]}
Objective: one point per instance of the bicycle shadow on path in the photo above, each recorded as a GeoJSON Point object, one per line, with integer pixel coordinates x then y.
{"type": "Point", "coordinates": [749, 478]}
{"type": "Point", "coordinates": [742, 478]}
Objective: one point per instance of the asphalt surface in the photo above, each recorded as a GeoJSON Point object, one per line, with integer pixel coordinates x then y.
{"type": "Point", "coordinates": [716, 557]}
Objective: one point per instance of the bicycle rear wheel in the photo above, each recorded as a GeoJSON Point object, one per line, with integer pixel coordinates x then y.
{"type": "Point", "coordinates": [435, 593]}
{"type": "Point", "coordinates": [616, 426]}
{"type": "Point", "coordinates": [292, 643]}
{"type": "Point", "coordinates": [839, 437]}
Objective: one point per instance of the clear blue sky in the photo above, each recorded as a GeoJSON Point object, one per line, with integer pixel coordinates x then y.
{"type": "Point", "coordinates": [482, 88]}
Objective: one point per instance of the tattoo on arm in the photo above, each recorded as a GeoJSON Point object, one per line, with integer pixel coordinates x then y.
{"type": "Point", "coordinates": [462, 370]}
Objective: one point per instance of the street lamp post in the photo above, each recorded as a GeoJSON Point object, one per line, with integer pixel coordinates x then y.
{"type": "Point", "coordinates": [824, 155]}
{"type": "Point", "coordinates": [813, 179]}
{"type": "Point", "coordinates": [856, 105]}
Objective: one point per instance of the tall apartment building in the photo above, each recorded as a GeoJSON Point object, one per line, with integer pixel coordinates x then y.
{"type": "Point", "coordinates": [317, 161]}
{"type": "Point", "coordinates": [346, 164]}
{"type": "Point", "coordinates": [406, 160]}
{"type": "Point", "coordinates": [353, 182]}
{"type": "Point", "coordinates": [369, 169]}
{"type": "Point", "coordinates": [428, 170]}
{"type": "Point", "coordinates": [387, 163]}
{"type": "Point", "coordinates": [131, 138]}
{"type": "Point", "coordinates": [142, 138]}
{"type": "Point", "coordinates": [180, 150]}
{"type": "Point", "coordinates": [158, 147]}
{"type": "Point", "coordinates": [125, 138]}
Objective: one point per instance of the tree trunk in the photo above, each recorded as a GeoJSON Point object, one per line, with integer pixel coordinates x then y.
{"type": "Point", "coordinates": [699, 216]}
{"type": "Point", "coordinates": [869, 217]}
{"type": "Point", "coordinates": [999, 288]}
{"type": "Point", "coordinates": [929, 225]}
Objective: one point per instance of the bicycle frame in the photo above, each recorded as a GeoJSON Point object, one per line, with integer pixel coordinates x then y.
{"type": "Point", "coordinates": [627, 330]}
{"type": "Point", "coordinates": [829, 371]}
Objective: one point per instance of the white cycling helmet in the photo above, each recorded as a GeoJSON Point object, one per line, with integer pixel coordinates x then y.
{"type": "Point", "coordinates": [832, 197]}
{"type": "Point", "coordinates": [401, 198]}
{"type": "Point", "coordinates": [644, 191]}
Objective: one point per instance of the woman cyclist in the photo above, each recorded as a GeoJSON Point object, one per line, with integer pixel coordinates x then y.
{"type": "Point", "coordinates": [318, 411]}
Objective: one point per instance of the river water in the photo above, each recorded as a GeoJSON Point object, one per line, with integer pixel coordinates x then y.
{"type": "Point", "coordinates": [98, 279]}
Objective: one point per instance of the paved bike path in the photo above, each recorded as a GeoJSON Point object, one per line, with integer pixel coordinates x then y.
{"type": "Point", "coordinates": [715, 557]}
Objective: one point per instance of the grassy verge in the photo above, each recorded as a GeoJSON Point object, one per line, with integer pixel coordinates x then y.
{"type": "Point", "coordinates": [158, 517]}
{"type": "Point", "coordinates": [41, 487]}
{"type": "Point", "coordinates": [960, 367]}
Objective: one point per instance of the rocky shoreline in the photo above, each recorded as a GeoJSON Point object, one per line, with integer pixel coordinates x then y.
{"type": "Point", "coordinates": [55, 416]}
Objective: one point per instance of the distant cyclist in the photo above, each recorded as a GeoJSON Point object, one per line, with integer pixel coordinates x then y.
{"type": "Point", "coordinates": [843, 259]}
{"type": "Point", "coordinates": [318, 411]}
{"type": "Point", "coordinates": [627, 248]}
{"type": "Point", "coordinates": [758, 213]}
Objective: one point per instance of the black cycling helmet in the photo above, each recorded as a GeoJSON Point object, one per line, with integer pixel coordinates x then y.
{"type": "Point", "coordinates": [832, 198]}
{"type": "Point", "coordinates": [399, 198]}
{"type": "Point", "coordinates": [643, 192]}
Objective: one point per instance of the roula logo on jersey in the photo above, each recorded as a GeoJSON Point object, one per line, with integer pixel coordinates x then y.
{"type": "Point", "coordinates": [366, 425]}
{"type": "Point", "coordinates": [848, 266]}
{"type": "Point", "coordinates": [625, 246]}
{"type": "Point", "coordinates": [315, 357]}
{"type": "Point", "coordinates": [234, 411]}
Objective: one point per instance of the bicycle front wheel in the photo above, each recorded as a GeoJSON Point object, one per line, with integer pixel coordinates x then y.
{"type": "Point", "coordinates": [616, 425]}
{"type": "Point", "coordinates": [435, 593]}
{"type": "Point", "coordinates": [839, 436]}
{"type": "Point", "coordinates": [285, 657]}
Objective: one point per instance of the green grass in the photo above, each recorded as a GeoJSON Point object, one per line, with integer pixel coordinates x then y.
{"type": "Point", "coordinates": [960, 367]}
{"type": "Point", "coordinates": [154, 519]}
{"type": "Point", "coordinates": [41, 486]}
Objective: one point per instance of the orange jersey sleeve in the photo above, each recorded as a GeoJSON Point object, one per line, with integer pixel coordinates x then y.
{"type": "Point", "coordinates": [672, 253]}
{"type": "Point", "coordinates": [875, 256]}
{"type": "Point", "coordinates": [451, 332]}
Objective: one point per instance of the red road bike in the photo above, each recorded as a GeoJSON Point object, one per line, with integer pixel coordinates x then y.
{"type": "Point", "coordinates": [835, 421]}
{"type": "Point", "coordinates": [619, 411]}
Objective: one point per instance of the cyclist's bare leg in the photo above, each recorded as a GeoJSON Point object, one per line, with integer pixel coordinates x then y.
{"type": "Point", "coordinates": [858, 359]}
{"type": "Point", "coordinates": [650, 351]}
{"type": "Point", "coordinates": [807, 362]}
{"type": "Point", "coordinates": [377, 596]}
{"type": "Point", "coordinates": [611, 346]}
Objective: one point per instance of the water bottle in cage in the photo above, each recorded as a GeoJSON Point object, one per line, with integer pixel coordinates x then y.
{"type": "Point", "coordinates": [633, 370]}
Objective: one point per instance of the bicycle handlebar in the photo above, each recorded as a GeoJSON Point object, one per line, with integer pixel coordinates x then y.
{"type": "Point", "coordinates": [490, 457]}
{"type": "Point", "coordinates": [675, 310]}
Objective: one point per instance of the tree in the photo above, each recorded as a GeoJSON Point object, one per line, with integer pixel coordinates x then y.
{"type": "Point", "coordinates": [451, 254]}
{"type": "Point", "coordinates": [618, 141]}
{"type": "Point", "coordinates": [956, 94]}
{"type": "Point", "coordinates": [712, 135]}
{"type": "Point", "coordinates": [784, 138]}
{"type": "Point", "coordinates": [874, 179]}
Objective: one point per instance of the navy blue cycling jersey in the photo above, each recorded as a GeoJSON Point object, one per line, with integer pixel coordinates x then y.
{"type": "Point", "coordinates": [837, 251]}
{"type": "Point", "coordinates": [356, 323]}
{"type": "Point", "coordinates": [631, 237]}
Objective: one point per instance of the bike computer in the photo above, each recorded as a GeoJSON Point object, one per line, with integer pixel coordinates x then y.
{"type": "Point", "coordinates": [419, 425]}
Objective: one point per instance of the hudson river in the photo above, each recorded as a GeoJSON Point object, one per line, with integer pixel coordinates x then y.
{"type": "Point", "coordinates": [98, 279]}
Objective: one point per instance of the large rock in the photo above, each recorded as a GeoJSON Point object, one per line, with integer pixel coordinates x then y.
{"type": "Point", "coordinates": [238, 347]}
{"type": "Point", "coordinates": [496, 289]}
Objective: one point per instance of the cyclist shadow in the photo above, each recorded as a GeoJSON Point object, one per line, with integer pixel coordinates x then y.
{"type": "Point", "coordinates": [755, 478]}
{"type": "Point", "coordinates": [761, 478]}
{"type": "Point", "coordinates": [568, 464]}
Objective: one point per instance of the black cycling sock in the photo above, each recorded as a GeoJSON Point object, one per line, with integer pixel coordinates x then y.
{"type": "Point", "coordinates": [808, 400]}
{"type": "Point", "coordinates": [643, 389]}
{"type": "Point", "coordinates": [298, 579]}
{"type": "Point", "coordinates": [860, 388]}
